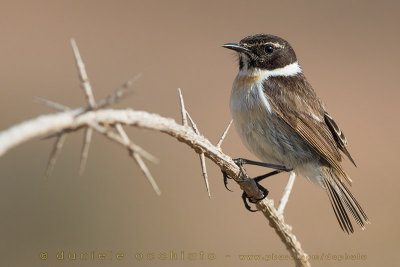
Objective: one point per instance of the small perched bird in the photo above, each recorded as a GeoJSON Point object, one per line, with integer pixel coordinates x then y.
{"type": "Point", "coordinates": [281, 120]}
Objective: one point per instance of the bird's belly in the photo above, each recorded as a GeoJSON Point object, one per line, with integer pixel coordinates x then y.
{"type": "Point", "coordinates": [261, 130]}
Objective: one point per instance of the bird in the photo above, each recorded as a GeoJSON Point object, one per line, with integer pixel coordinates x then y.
{"type": "Point", "coordinates": [281, 120]}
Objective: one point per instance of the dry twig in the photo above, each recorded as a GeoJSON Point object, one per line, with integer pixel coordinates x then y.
{"type": "Point", "coordinates": [87, 88]}
{"type": "Point", "coordinates": [85, 149]}
{"type": "Point", "coordinates": [90, 100]}
{"type": "Point", "coordinates": [118, 139]}
{"type": "Point", "coordinates": [51, 104]}
{"type": "Point", "coordinates": [202, 158]}
{"type": "Point", "coordinates": [118, 93]}
{"type": "Point", "coordinates": [224, 135]}
{"type": "Point", "coordinates": [138, 159]}
{"type": "Point", "coordinates": [183, 110]}
{"type": "Point", "coordinates": [286, 193]}
{"type": "Point", "coordinates": [54, 153]}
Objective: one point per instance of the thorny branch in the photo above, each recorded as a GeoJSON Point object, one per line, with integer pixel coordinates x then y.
{"type": "Point", "coordinates": [109, 123]}
{"type": "Point", "coordinates": [185, 115]}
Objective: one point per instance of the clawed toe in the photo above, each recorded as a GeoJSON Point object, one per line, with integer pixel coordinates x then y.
{"type": "Point", "coordinates": [240, 162]}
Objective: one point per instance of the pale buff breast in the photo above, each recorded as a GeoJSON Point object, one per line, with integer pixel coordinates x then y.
{"type": "Point", "coordinates": [261, 131]}
{"type": "Point", "coordinates": [251, 117]}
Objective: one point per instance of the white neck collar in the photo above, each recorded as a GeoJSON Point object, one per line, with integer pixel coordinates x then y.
{"type": "Point", "coordinates": [289, 70]}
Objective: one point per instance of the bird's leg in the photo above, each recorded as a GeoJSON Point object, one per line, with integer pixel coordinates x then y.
{"type": "Point", "coordinates": [240, 162]}
{"type": "Point", "coordinates": [262, 177]}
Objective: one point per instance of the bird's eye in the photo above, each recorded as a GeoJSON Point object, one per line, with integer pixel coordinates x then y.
{"type": "Point", "coordinates": [269, 49]}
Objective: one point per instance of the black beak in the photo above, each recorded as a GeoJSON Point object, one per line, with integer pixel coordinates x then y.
{"type": "Point", "coordinates": [236, 47]}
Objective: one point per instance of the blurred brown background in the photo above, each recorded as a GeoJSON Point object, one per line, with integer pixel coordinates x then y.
{"type": "Point", "coordinates": [348, 50]}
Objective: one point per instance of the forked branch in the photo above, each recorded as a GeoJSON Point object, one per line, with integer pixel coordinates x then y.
{"type": "Point", "coordinates": [68, 121]}
{"type": "Point", "coordinates": [109, 122]}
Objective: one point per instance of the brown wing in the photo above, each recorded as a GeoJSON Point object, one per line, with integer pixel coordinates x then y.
{"type": "Point", "coordinates": [340, 139]}
{"type": "Point", "coordinates": [295, 102]}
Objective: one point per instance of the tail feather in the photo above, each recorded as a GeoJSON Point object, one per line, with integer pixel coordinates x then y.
{"type": "Point", "coordinates": [356, 203]}
{"type": "Point", "coordinates": [340, 212]}
{"type": "Point", "coordinates": [341, 197]}
{"type": "Point", "coordinates": [351, 207]}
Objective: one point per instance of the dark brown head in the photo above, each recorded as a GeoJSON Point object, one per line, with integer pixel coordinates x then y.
{"type": "Point", "coordinates": [263, 51]}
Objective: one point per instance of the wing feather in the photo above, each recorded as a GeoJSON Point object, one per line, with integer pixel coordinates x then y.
{"type": "Point", "coordinates": [297, 108]}
{"type": "Point", "coordinates": [340, 139]}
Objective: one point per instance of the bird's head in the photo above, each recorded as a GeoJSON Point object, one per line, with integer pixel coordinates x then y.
{"type": "Point", "coordinates": [263, 51]}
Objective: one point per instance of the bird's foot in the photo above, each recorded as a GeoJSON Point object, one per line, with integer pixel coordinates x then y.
{"type": "Point", "coordinates": [240, 162]}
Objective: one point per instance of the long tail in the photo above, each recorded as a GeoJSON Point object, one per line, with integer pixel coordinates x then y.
{"type": "Point", "coordinates": [341, 199]}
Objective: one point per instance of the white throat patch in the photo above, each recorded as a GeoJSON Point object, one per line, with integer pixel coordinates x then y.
{"type": "Point", "coordinates": [289, 70]}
